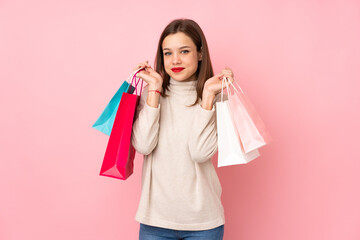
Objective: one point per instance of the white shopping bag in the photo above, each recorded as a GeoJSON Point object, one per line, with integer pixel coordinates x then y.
{"type": "Point", "coordinates": [230, 151]}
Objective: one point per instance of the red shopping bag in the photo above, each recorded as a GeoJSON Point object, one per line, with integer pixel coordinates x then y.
{"type": "Point", "coordinates": [119, 156]}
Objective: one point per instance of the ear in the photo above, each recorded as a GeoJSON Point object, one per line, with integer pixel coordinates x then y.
{"type": "Point", "coordinates": [200, 54]}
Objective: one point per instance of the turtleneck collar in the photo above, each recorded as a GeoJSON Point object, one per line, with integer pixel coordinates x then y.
{"type": "Point", "coordinates": [182, 87]}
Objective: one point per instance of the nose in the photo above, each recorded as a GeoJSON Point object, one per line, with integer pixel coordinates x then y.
{"type": "Point", "coordinates": [176, 59]}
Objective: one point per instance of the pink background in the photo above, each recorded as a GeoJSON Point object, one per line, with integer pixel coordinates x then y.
{"type": "Point", "coordinates": [61, 61]}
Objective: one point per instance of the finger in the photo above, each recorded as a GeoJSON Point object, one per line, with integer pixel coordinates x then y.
{"type": "Point", "coordinates": [139, 75]}
{"type": "Point", "coordinates": [142, 65]}
{"type": "Point", "coordinates": [230, 78]}
{"type": "Point", "coordinates": [229, 74]}
{"type": "Point", "coordinates": [217, 76]}
{"type": "Point", "coordinates": [138, 66]}
{"type": "Point", "coordinates": [142, 74]}
{"type": "Point", "coordinates": [150, 69]}
{"type": "Point", "coordinates": [224, 73]}
{"type": "Point", "coordinates": [146, 64]}
{"type": "Point", "coordinates": [222, 77]}
{"type": "Point", "coordinates": [228, 70]}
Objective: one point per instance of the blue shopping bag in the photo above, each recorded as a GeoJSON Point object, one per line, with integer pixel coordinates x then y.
{"type": "Point", "coordinates": [106, 120]}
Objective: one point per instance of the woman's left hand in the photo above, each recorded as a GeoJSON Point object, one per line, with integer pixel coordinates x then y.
{"type": "Point", "coordinates": [213, 85]}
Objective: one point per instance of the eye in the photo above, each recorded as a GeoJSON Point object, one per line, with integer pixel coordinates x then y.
{"type": "Point", "coordinates": [169, 53]}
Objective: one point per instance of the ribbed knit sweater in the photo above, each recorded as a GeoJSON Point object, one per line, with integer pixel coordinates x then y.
{"type": "Point", "coordinates": [180, 188]}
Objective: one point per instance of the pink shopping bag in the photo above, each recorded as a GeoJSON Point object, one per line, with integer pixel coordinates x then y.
{"type": "Point", "coordinates": [119, 156]}
{"type": "Point", "coordinates": [250, 127]}
{"type": "Point", "coordinates": [229, 144]}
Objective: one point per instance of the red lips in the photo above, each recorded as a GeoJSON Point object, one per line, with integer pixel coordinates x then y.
{"type": "Point", "coordinates": [177, 69]}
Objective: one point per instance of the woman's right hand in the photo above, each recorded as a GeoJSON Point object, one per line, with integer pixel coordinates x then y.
{"type": "Point", "coordinates": [150, 76]}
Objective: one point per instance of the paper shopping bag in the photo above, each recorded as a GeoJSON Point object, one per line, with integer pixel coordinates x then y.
{"type": "Point", "coordinates": [230, 151]}
{"type": "Point", "coordinates": [250, 127]}
{"type": "Point", "coordinates": [106, 120]}
{"type": "Point", "coordinates": [119, 156]}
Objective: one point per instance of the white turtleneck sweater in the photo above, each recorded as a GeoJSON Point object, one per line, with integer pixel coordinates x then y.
{"type": "Point", "coordinates": [180, 188]}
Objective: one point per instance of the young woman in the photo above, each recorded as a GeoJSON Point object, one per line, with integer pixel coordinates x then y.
{"type": "Point", "coordinates": [175, 130]}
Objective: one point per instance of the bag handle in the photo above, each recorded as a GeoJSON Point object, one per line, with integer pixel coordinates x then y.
{"type": "Point", "coordinates": [132, 78]}
{"type": "Point", "coordinates": [137, 82]}
{"type": "Point", "coordinates": [222, 88]}
{"type": "Point", "coordinates": [236, 90]}
{"type": "Point", "coordinates": [227, 86]}
{"type": "Point", "coordinates": [224, 79]}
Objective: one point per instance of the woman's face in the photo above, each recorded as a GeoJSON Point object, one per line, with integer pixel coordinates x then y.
{"type": "Point", "coordinates": [179, 51]}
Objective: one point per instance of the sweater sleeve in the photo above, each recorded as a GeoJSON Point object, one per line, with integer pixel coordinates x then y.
{"type": "Point", "coordinates": [145, 131]}
{"type": "Point", "coordinates": [203, 142]}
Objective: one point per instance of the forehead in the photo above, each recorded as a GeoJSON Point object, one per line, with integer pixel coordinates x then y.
{"type": "Point", "coordinates": [177, 40]}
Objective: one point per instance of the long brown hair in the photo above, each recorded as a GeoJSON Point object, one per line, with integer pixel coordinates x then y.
{"type": "Point", "coordinates": [192, 30]}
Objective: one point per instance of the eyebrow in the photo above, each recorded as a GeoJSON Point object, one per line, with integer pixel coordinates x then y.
{"type": "Point", "coordinates": [179, 48]}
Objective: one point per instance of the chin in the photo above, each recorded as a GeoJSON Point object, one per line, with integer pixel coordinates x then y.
{"type": "Point", "coordinates": [178, 77]}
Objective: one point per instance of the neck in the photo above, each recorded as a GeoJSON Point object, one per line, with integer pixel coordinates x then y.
{"type": "Point", "coordinates": [182, 87]}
